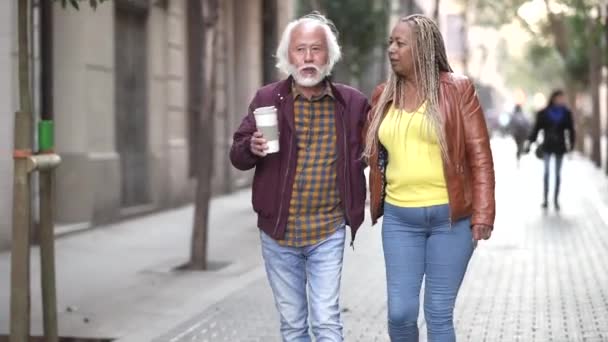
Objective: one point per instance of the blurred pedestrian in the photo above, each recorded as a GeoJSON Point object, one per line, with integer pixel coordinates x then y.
{"type": "Point", "coordinates": [431, 176]}
{"type": "Point", "coordinates": [519, 128]}
{"type": "Point", "coordinates": [307, 192]}
{"type": "Point", "coordinates": [555, 120]}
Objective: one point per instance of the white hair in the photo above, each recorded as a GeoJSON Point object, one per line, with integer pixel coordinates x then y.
{"type": "Point", "coordinates": [334, 52]}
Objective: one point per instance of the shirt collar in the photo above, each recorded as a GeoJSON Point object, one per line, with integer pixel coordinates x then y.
{"type": "Point", "coordinates": [326, 91]}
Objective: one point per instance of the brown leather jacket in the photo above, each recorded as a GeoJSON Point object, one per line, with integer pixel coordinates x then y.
{"type": "Point", "coordinates": [469, 172]}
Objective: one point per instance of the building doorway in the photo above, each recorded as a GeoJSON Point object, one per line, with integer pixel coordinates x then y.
{"type": "Point", "coordinates": [131, 100]}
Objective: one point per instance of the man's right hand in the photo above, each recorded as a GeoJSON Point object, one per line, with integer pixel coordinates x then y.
{"type": "Point", "coordinates": [258, 144]}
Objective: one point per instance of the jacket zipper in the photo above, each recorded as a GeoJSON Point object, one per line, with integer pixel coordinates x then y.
{"type": "Point", "coordinates": [346, 182]}
{"type": "Point", "coordinates": [460, 172]}
{"type": "Point", "coordinates": [448, 190]}
{"type": "Point", "coordinates": [276, 226]}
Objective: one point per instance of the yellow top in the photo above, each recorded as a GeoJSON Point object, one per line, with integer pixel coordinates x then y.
{"type": "Point", "coordinates": [414, 174]}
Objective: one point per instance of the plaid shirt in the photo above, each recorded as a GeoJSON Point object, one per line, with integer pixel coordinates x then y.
{"type": "Point", "coordinates": [315, 210]}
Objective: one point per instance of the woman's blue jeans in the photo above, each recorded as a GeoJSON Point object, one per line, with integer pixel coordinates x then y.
{"type": "Point", "coordinates": [423, 242]}
{"type": "Point", "coordinates": [558, 170]}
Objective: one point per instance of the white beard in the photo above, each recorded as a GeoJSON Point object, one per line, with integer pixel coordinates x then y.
{"type": "Point", "coordinates": [309, 81]}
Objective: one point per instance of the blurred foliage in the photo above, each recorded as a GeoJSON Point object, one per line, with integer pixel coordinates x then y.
{"type": "Point", "coordinates": [361, 25]}
{"type": "Point", "coordinates": [541, 69]}
{"type": "Point", "coordinates": [576, 27]}
{"type": "Point", "coordinates": [577, 59]}
{"type": "Point", "coordinates": [495, 13]}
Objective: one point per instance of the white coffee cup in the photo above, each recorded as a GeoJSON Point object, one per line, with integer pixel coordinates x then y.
{"type": "Point", "coordinates": [267, 122]}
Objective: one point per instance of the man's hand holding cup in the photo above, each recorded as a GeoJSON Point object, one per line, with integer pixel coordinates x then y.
{"type": "Point", "coordinates": [266, 139]}
{"type": "Point", "coordinates": [258, 144]}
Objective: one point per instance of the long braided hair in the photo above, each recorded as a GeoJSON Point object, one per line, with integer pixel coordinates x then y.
{"type": "Point", "coordinates": [430, 60]}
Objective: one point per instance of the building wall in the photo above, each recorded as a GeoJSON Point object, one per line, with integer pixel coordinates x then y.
{"type": "Point", "coordinates": [247, 35]}
{"type": "Point", "coordinates": [83, 93]}
{"type": "Point", "coordinates": [180, 185]}
{"type": "Point", "coordinates": [89, 179]}
{"type": "Point", "coordinates": [240, 59]}
{"type": "Point", "coordinates": [455, 35]}
{"type": "Point", "coordinates": [225, 109]}
{"type": "Point", "coordinates": [450, 22]}
{"type": "Point", "coordinates": [7, 108]}
{"type": "Point", "coordinates": [158, 101]}
{"type": "Point", "coordinates": [286, 13]}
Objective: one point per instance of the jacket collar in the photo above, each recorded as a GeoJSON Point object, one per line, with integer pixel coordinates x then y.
{"type": "Point", "coordinates": [444, 77]}
{"type": "Point", "coordinates": [285, 88]}
{"type": "Point", "coordinates": [285, 100]}
{"type": "Point", "coordinates": [327, 91]}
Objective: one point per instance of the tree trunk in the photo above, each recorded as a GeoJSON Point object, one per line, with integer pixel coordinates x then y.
{"type": "Point", "coordinates": [195, 57]}
{"type": "Point", "coordinates": [579, 118]}
{"type": "Point", "coordinates": [436, 12]}
{"type": "Point", "coordinates": [560, 39]}
{"type": "Point", "coordinates": [407, 7]}
{"type": "Point", "coordinates": [606, 65]}
{"type": "Point", "coordinates": [20, 259]}
{"type": "Point", "coordinates": [558, 31]}
{"type": "Point", "coordinates": [206, 15]}
{"type": "Point", "coordinates": [466, 23]}
{"type": "Point", "coordinates": [595, 72]}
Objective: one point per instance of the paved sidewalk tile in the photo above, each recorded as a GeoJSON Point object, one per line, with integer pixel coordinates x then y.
{"type": "Point", "coordinates": [542, 277]}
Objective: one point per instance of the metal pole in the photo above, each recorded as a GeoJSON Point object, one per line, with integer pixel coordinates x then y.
{"type": "Point", "coordinates": [47, 256]}
{"type": "Point", "coordinates": [46, 60]}
{"type": "Point", "coordinates": [20, 259]}
{"type": "Point", "coordinates": [45, 163]}
{"type": "Point", "coordinates": [47, 178]}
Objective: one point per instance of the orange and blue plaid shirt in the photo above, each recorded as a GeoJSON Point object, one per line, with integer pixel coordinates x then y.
{"type": "Point", "coordinates": [315, 210]}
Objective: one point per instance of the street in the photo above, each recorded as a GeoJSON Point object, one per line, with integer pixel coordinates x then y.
{"type": "Point", "coordinates": [542, 277]}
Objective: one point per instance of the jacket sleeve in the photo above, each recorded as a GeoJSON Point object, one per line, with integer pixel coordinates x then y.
{"type": "Point", "coordinates": [240, 152]}
{"type": "Point", "coordinates": [363, 112]}
{"type": "Point", "coordinates": [479, 155]}
{"type": "Point", "coordinates": [536, 128]}
{"type": "Point", "coordinates": [571, 130]}
{"type": "Point", "coordinates": [368, 113]}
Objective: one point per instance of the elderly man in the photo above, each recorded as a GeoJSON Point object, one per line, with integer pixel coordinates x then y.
{"type": "Point", "coordinates": [308, 192]}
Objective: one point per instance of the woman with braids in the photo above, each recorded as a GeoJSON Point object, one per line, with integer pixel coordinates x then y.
{"type": "Point", "coordinates": [431, 176]}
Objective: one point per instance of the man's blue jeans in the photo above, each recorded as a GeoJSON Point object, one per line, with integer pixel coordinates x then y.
{"type": "Point", "coordinates": [419, 242]}
{"type": "Point", "coordinates": [313, 272]}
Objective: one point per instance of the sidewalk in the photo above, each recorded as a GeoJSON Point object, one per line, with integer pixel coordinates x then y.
{"type": "Point", "coordinates": [117, 281]}
{"type": "Point", "coordinates": [542, 276]}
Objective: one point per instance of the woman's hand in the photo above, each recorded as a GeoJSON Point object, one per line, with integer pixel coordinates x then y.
{"type": "Point", "coordinates": [481, 232]}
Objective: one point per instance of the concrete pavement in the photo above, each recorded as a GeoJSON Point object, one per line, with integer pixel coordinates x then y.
{"type": "Point", "coordinates": [542, 277]}
{"type": "Point", "coordinates": [118, 280]}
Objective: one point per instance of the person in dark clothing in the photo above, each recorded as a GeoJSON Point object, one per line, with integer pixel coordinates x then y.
{"type": "Point", "coordinates": [557, 125]}
{"type": "Point", "coordinates": [519, 128]}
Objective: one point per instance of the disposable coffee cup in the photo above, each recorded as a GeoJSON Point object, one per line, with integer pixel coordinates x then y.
{"type": "Point", "coordinates": [267, 123]}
